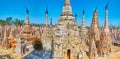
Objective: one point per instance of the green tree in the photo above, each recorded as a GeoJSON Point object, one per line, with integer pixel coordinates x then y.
{"type": "Point", "coordinates": [37, 45]}
{"type": "Point", "coordinates": [9, 20]}
{"type": "Point", "coordinates": [21, 22]}
{"type": "Point", "coordinates": [18, 22]}
{"type": "Point", "coordinates": [2, 22]}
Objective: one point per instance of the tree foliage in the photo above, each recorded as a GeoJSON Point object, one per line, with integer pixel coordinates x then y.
{"type": "Point", "coordinates": [2, 22]}
{"type": "Point", "coordinates": [10, 21]}
{"type": "Point", "coordinates": [18, 22]}
{"type": "Point", "coordinates": [37, 45]}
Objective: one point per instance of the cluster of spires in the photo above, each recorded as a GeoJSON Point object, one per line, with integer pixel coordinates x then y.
{"type": "Point", "coordinates": [67, 3]}
{"type": "Point", "coordinates": [95, 21]}
{"type": "Point", "coordinates": [28, 22]}
{"type": "Point", "coordinates": [47, 19]}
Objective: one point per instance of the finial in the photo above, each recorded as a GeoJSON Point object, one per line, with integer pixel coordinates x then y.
{"type": "Point", "coordinates": [46, 17]}
{"type": "Point", "coordinates": [106, 7]}
{"type": "Point", "coordinates": [83, 12]}
{"type": "Point", "coordinates": [51, 21]}
{"type": "Point", "coordinates": [46, 10]}
{"type": "Point", "coordinates": [27, 11]}
{"type": "Point", "coordinates": [96, 9]}
{"type": "Point", "coordinates": [75, 16]}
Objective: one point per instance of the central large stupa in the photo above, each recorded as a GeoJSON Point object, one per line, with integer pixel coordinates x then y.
{"type": "Point", "coordinates": [66, 39]}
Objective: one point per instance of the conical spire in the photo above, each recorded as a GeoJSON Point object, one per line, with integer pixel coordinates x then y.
{"type": "Point", "coordinates": [106, 37]}
{"type": "Point", "coordinates": [46, 17]}
{"type": "Point", "coordinates": [83, 22]}
{"type": "Point", "coordinates": [27, 17]}
{"type": "Point", "coordinates": [94, 28]}
{"type": "Point", "coordinates": [51, 22]}
{"type": "Point", "coordinates": [95, 22]}
{"type": "Point", "coordinates": [106, 18]}
{"type": "Point", "coordinates": [83, 27]}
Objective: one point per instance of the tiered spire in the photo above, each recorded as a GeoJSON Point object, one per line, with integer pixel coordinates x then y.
{"type": "Point", "coordinates": [106, 37]}
{"type": "Point", "coordinates": [106, 19]}
{"type": "Point", "coordinates": [51, 22]}
{"type": "Point", "coordinates": [83, 27]}
{"type": "Point", "coordinates": [83, 31]}
{"type": "Point", "coordinates": [95, 20]}
{"type": "Point", "coordinates": [27, 26]}
{"type": "Point", "coordinates": [27, 17]}
{"type": "Point", "coordinates": [46, 17]}
{"type": "Point", "coordinates": [95, 28]}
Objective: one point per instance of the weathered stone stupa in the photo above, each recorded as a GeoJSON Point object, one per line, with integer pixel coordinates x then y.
{"type": "Point", "coordinates": [106, 38]}
{"type": "Point", "coordinates": [66, 39]}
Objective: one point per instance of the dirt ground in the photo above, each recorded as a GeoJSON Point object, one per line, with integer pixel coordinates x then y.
{"type": "Point", "coordinates": [114, 55]}
{"type": "Point", "coordinates": [9, 52]}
